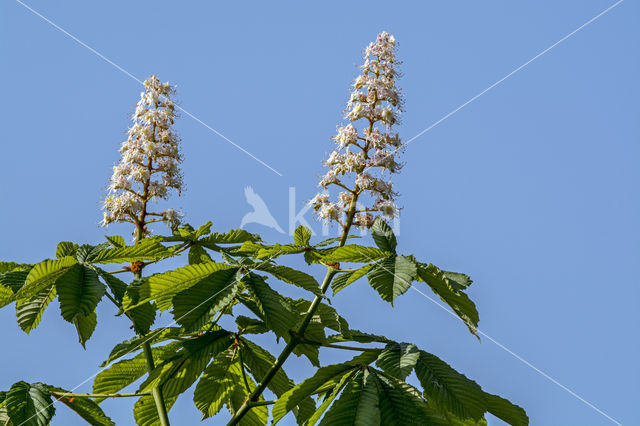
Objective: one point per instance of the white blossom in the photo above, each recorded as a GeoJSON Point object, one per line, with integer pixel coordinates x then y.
{"type": "Point", "coordinates": [365, 149]}
{"type": "Point", "coordinates": [149, 166]}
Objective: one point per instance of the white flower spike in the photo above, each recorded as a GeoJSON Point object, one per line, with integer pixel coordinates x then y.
{"type": "Point", "coordinates": [149, 167]}
{"type": "Point", "coordinates": [374, 107]}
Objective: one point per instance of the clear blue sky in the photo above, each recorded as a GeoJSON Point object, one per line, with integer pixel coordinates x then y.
{"type": "Point", "coordinates": [532, 189]}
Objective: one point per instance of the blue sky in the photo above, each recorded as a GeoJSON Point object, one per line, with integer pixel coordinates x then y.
{"type": "Point", "coordinates": [531, 189]}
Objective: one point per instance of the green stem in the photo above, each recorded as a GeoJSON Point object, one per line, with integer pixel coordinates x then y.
{"type": "Point", "coordinates": [299, 332]}
{"type": "Point", "coordinates": [161, 407]}
{"type": "Point", "coordinates": [158, 398]}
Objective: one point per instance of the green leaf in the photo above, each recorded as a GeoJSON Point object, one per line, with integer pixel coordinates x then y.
{"type": "Point", "coordinates": [356, 253]}
{"type": "Point", "coordinates": [335, 391]}
{"type": "Point", "coordinates": [505, 410]}
{"type": "Point", "coordinates": [10, 283]}
{"type": "Point", "coordinates": [66, 248]}
{"type": "Point", "coordinates": [163, 287]}
{"type": "Point", "coordinates": [449, 389]}
{"type": "Point", "coordinates": [302, 236]}
{"type": "Point", "coordinates": [289, 400]}
{"type": "Point", "coordinates": [85, 325]}
{"type": "Point", "coordinates": [291, 276]}
{"type": "Point", "coordinates": [346, 278]}
{"type": "Point", "coordinates": [84, 407]}
{"type": "Point", "coordinates": [145, 412]}
{"type": "Point", "coordinates": [333, 240]}
{"type": "Point", "coordinates": [401, 403]}
{"type": "Point", "coordinates": [258, 362]}
{"type": "Point", "coordinates": [458, 280]}
{"type": "Point", "coordinates": [251, 325]}
{"type": "Point", "coordinates": [198, 255]}
{"type": "Point", "coordinates": [392, 277]}
{"type": "Point", "coordinates": [234, 236]}
{"type": "Point", "coordinates": [147, 249]}
{"type": "Point", "coordinates": [79, 291]}
{"type": "Point", "coordinates": [358, 404]}
{"type": "Point", "coordinates": [383, 235]}
{"type": "Point", "coordinates": [357, 336]}
{"type": "Point", "coordinates": [86, 253]}
{"type": "Point", "coordinates": [458, 301]}
{"type": "Point", "coordinates": [277, 312]}
{"type": "Point", "coordinates": [194, 307]}
{"type": "Point", "coordinates": [43, 274]}
{"type": "Point", "coordinates": [116, 285]}
{"type": "Point", "coordinates": [123, 373]}
{"type": "Point", "coordinates": [257, 416]}
{"type": "Point", "coordinates": [29, 313]}
{"type": "Point", "coordinates": [13, 266]}
{"type": "Point", "coordinates": [29, 404]}
{"type": "Point", "coordinates": [278, 250]}
{"type": "Point", "coordinates": [116, 241]}
{"type": "Point", "coordinates": [143, 315]}
{"type": "Point", "coordinates": [178, 373]}
{"type": "Point", "coordinates": [217, 384]}
{"type": "Point", "coordinates": [398, 359]}
{"type": "Point", "coordinates": [135, 343]}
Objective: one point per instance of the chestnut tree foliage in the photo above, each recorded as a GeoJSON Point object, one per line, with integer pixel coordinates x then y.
{"type": "Point", "coordinates": [236, 279]}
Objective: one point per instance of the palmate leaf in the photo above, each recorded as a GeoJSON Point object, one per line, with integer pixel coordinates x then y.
{"type": "Point", "coordinates": [276, 311]}
{"type": "Point", "coordinates": [344, 279]}
{"type": "Point", "coordinates": [29, 404]}
{"type": "Point", "coordinates": [194, 307]}
{"type": "Point", "coordinates": [458, 301]}
{"type": "Point", "coordinates": [248, 325]}
{"type": "Point", "coordinates": [449, 389]}
{"type": "Point", "coordinates": [29, 313]}
{"type": "Point", "coordinates": [392, 277]}
{"type": "Point", "coordinates": [505, 410]}
{"type": "Point", "coordinates": [289, 400]}
{"type": "Point", "coordinates": [42, 275]}
{"type": "Point", "coordinates": [291, 276]}
{"type": "Point", "coordinates": [147, 249]}
{"type": "Point", "coordinates": [145, 412]}
{"type": "Point", "coordinates": [79, 291]}
{"type": "Point", "coordinates": [398, 359]}
{"type": "Point", "coordinates": [86, 408]}
{"type": "Point", "coordinates": [163, 287]}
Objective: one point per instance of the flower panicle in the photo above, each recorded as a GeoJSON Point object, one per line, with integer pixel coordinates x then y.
{"type": "Point", "coordinates": [365, 153]}
{"type": "Point", "coordinates": [148, 169]}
